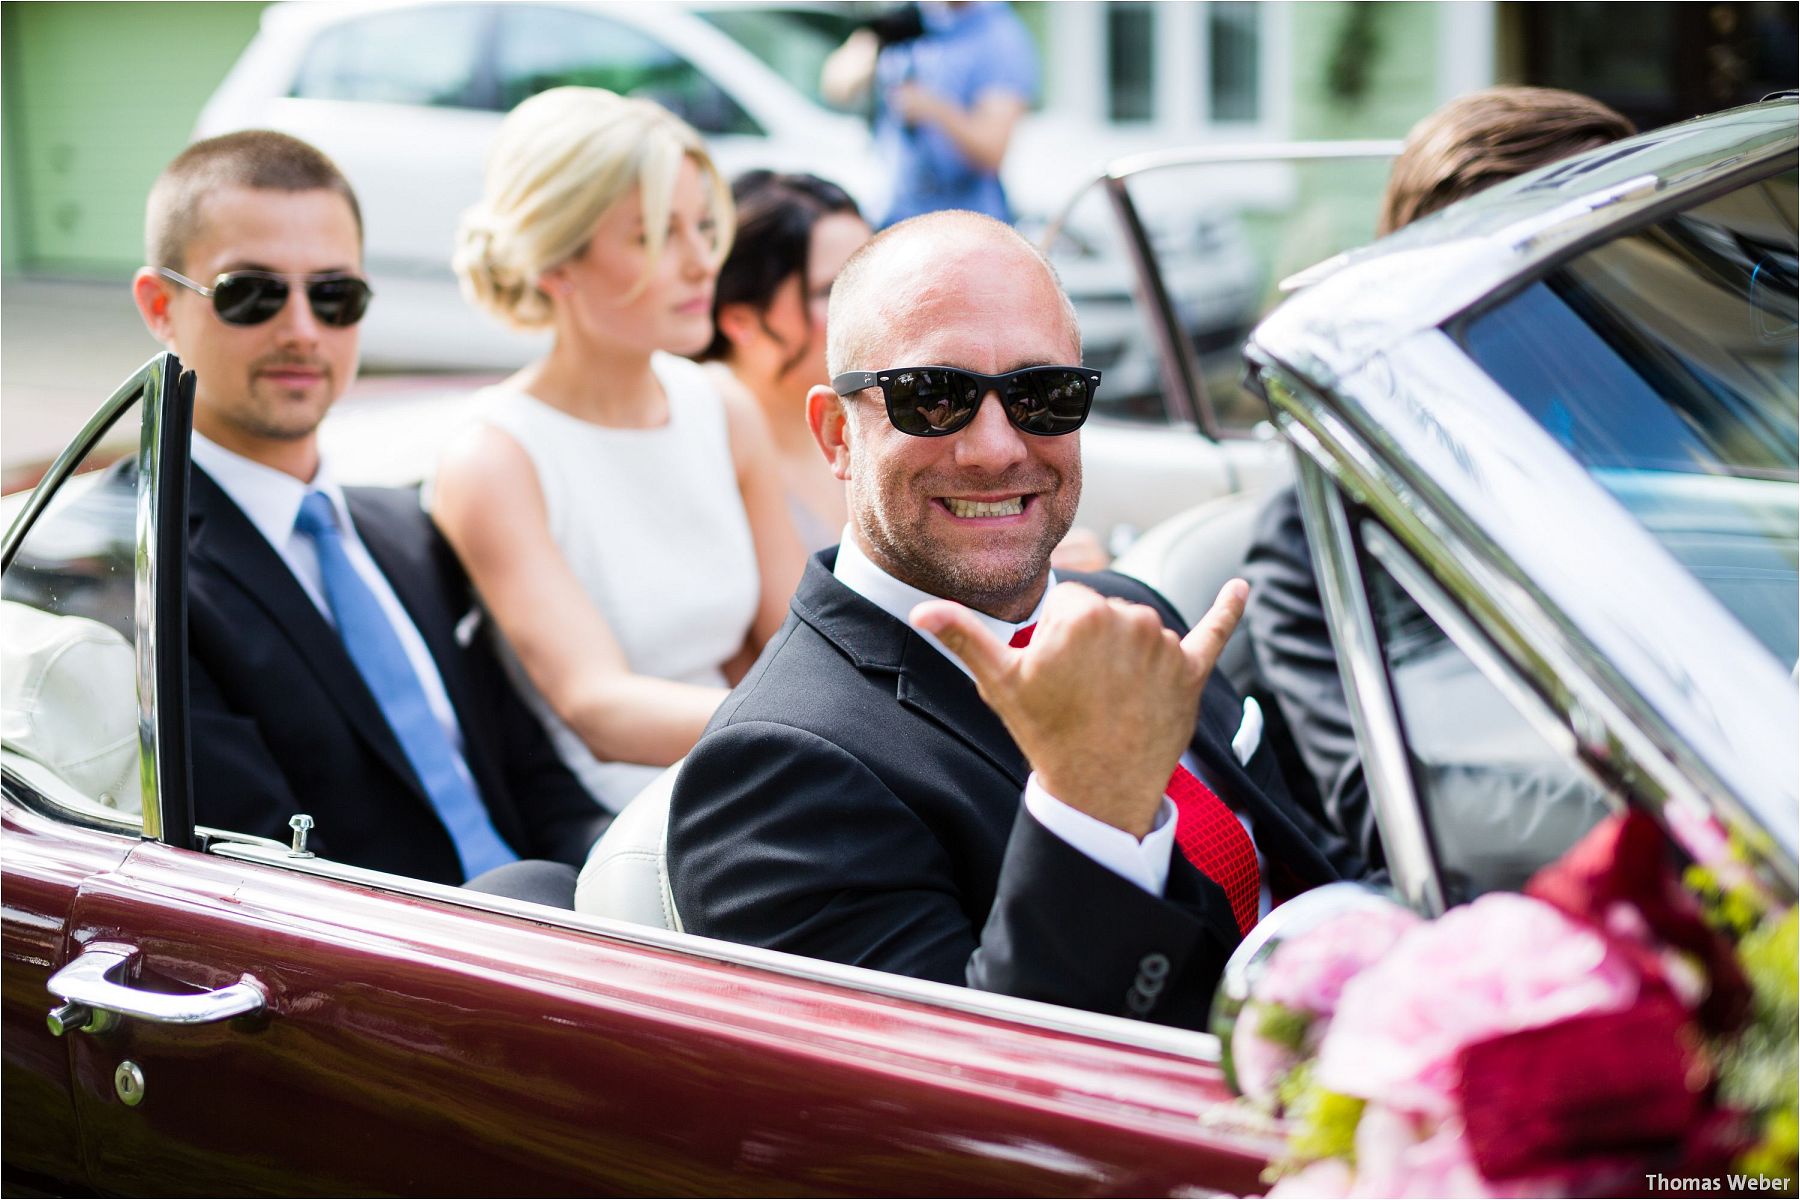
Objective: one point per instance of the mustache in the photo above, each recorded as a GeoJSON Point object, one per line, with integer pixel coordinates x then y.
{"type": "Point", "coordinates": [1018, 481]}
{"type": "Point", "coordinates": [282, 362]}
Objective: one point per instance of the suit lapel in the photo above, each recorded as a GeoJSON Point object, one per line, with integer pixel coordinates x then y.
{"type": "Point", "coordinates": [932, 686]}
{"type": "Point", "coordinates": [925, 681]}
{"type": "Point", "coordinates": [222, 539]}
{"type": "Point", "coordinates": [1278, 836]}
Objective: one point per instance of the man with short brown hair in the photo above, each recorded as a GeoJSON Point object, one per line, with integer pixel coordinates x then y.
{"type": "Point", "coordinates": [329, 674]}
{"type": "Point", "coordinates": [1485, 137]}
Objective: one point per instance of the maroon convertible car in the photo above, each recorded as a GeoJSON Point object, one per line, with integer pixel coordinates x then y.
{"type": "Point", "coordinates": [192, 1010]}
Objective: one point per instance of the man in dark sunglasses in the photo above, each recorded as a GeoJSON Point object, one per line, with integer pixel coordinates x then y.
{"type": "Point", "coordinates": [948, 764]}
{"type": "Point", "coordinates": [327, 672]}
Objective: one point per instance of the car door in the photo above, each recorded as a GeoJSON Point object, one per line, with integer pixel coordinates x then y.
{"type": "Point", "coordinates": [541, 46]}
{"type": "Point", "coordinates": [241, 1018]}
{"type": "Point", "coordinates": [70, 742]}
{"type": "Point", "coordinates": [404, 101]}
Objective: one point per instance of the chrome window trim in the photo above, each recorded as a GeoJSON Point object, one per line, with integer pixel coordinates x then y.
{"type": "Point", "coordinates": [151, 766]}
{"type": "Point", "coordinates": [1385, 549]}
{"type": "Point", "coordinates": [1055, 1018]}
{"type": "Point", "coordinates": [145, 384]}
{"type": "Point", "coordinates": [1617, 728]}
{"type": "Point", "coordinates": [1181, 378]}
{"type": "Point", "coordinates": [33, 786]}
{"type": "Point", "coordinates": [73, 454]}
{"type": "Point", "coordinates": [1463, 633]}
{"type": "Point", "coordinates": [1374, 716]}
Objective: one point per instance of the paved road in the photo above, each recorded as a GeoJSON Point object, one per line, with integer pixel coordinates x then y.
{"type": "Point", "coordinates": [65, 345]}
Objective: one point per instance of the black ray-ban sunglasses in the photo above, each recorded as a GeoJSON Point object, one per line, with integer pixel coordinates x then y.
{"type": "Point", "coordinates": [252, 297]}
{"type": "Point", "coordinates": [936, 401]}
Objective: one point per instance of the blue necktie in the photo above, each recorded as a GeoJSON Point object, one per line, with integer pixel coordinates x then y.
{"type": "Point", "coordinates": [376, 650]}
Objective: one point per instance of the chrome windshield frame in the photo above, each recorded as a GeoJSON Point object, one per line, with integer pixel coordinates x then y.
{"type": "Point", "coordinates": [76, 452]}
{"type": "Point", "coordinates": [159, 629]}
{"type": "Point", "coordinates": [1669, 696]}
{"type": "Point", "coordinates": [1374, 714]}
{"type": "Point", "coordinates": [1667, 728]}
{"type": "Point", "coordinates": [1185, 399]}
{"type": "Point", "coordinates": [161, 602]}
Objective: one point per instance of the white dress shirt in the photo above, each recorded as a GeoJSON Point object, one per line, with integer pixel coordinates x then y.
{"type": "Point", "coordinates": [1145, 861]}
{"type": "Point", "coordinates": [271, 499]}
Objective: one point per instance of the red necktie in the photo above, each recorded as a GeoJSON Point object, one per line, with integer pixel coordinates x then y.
{"type": "Point", "coordinates": [1214, 840]}
{"type": "Point", "coordinates": [1208, 832]}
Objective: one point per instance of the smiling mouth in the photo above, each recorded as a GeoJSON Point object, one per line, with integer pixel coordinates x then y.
{"type": "Point", "coordinates": [1012, 506]}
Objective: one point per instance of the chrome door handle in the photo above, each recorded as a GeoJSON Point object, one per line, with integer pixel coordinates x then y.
{"type": "Point", "coordinates": [92, 996]}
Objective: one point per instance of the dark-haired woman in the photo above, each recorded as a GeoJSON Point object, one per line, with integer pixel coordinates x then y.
{"type": "Point", "coordinates": [794, 232]}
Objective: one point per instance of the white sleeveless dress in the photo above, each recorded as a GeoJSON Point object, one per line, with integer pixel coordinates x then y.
{"type": "Point", "coordinates": [653, 525]}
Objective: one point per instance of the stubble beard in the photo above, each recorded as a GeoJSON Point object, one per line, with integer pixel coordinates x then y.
{"type": "Point", "coordinates": [1001, 586]}
{"type": "Point", "coordinates": [279, 414]}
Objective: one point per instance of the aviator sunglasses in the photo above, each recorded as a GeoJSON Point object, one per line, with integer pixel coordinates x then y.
{"type": "Point", "coordinates": [936, 401]}
{"type": "Point", "coordinates": [252, 297]}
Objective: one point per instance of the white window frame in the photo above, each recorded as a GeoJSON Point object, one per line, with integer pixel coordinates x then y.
{"type": "Point", "coordinates": [1079, 53]}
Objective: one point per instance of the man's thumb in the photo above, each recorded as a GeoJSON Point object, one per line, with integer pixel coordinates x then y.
{"type": "Point", "coordinates": [967, 638]}
{"type": "Point", "coordinates": [1206, 641]}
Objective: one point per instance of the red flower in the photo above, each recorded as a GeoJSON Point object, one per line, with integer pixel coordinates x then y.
{"type": "Point", "coordinates": [1585, 1098]}
{"type": "Point", "coordinates": [1624, 860]}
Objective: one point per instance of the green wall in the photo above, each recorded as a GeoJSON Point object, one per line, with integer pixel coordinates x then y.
{"type": "Point", "coordinates": [1363, 69]}
{"type": "Point", "coordinates": [1360, 70]}
{"type": "Point", "coordinates": [97, 97]}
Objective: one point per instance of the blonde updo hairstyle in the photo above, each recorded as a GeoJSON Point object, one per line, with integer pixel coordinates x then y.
{"type": "Point", "coordinates": [563, 158]}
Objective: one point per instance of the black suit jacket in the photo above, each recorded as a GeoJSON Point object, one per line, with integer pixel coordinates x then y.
{"type": "Point", "coordinates": [283, 723]}
{"type": "Point", "coordinates": [1291, 641]}
{"type": "Point", "coordinates": [855, 800]}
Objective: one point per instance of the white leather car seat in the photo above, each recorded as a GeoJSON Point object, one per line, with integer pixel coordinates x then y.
{"type": "Point", "coordinates": [626, 875]}
{"type": "Point", "coordinates": [1188, 559]}
{"type": "Point", "coordinates": [68, 700]}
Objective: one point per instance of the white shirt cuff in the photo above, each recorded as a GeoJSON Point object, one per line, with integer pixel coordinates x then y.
{"type": "Point", "coordinates": [1145, 863]}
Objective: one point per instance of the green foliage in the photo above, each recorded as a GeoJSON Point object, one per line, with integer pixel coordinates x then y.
{"type": "Point", "coordinates": [1729, 899]}
{"type": "Point", "coordinates": [1757, 1071]}
{"type": "Point", "coordinates": [1353, 56]}
{"type": "Point", "coordinates": [1329, 1125]}
{"type": "Point", "coordinates": [1322, 1123]}
{"type": "Point", "coordinates": [1284, 1026]}
{"type": "Point", "coordinates": [1776, 1151]}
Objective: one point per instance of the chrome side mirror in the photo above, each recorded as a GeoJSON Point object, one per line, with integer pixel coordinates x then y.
{"type": "Point", "coordinates": [1250, 960]}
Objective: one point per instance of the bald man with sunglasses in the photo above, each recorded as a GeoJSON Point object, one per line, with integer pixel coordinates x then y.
{"type": "Point", "coordinates": [948, 764]}
{"type": "Point", "coordinates": [332, 671]}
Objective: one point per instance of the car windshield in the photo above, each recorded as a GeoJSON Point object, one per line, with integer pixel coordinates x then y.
{"type": "Point", "coordinates": [1664, 361]}
{"type": "Point", "coordinates": [793, 42]}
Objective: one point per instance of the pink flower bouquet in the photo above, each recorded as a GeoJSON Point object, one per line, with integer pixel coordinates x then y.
{"type": "Point", "coordinates": [1562, 1042]}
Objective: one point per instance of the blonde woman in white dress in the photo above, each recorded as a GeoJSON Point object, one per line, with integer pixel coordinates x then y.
{"type": "Point", "coordinates": [622, 521]}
